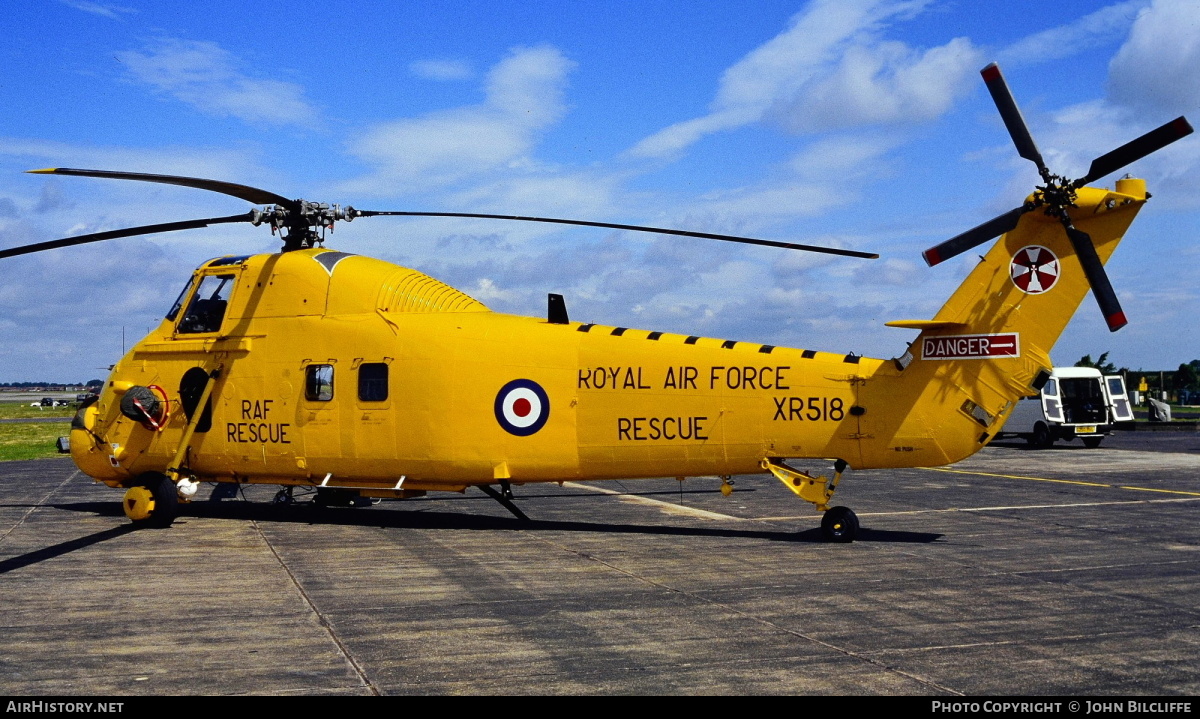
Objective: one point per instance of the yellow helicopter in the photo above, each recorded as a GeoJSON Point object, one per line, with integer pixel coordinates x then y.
{"type": "Point", "coordinates": [321, 369]}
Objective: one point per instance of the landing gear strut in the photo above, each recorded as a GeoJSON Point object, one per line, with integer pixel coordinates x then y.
{"type": "Point", "coordinates": [505, 497]}
{"type": "Point", "coordinates": [839, 524]}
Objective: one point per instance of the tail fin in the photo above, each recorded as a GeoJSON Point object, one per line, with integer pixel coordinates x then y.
{"type": "Point", "coordinates": [989, 343]}
{"type": "Point", "coordinates": [1029, 284]}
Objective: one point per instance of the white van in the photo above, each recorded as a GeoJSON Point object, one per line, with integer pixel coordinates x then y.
{"type": "Point", "coordinates": [1074, 402]}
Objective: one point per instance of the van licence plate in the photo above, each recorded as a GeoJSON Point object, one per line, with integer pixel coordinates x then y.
{"type": "Point", "coordinates": [1085, 430]}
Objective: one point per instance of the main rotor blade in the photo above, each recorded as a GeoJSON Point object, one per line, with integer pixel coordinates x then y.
{"type": "Point", "coordinates": [242, 192]}
{"type": "Point", "coordinates": [973, 237]}
{"type": "Point", "coordinates": [127, 232]}
{"type": "Point", "coordinates": [633, 228]}
{"type": "Point", "coordinates": [1152, 141]}
{"type": "Point", "coordinates": [1013, 120]}
{"type": "Point", "coordinates": [1093, 268]}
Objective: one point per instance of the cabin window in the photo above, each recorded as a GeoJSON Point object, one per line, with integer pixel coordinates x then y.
{"type": "Point", "coordinates": [1050, 388]}
{"type": "Point", "coordinates": [318, 382]}
{"type": "Point", "coordinates": [207, 308]}
{"type": "Point", "coordinates": [372, 382]}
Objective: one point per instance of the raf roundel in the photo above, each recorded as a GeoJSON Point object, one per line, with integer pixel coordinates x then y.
{"type": "Point", "coordinates": [1035, 269]}
{"type": "Point", "coordinates": [522, 407]}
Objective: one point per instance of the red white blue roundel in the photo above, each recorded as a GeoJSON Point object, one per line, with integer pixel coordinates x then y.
{"type": "Point", "coordinates": [522, 407]}
{"type": "Point", "coordinates": [1034, 269]}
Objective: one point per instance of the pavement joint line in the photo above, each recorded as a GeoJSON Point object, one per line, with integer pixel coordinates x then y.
{"type": "Point", "coordinates": [1037, 575]}
{"type": "Point", "coordinates": [1011, 642]}
{"type": "Point", "coordinates": [37, 506]}
{"type": "Point", "coordinates": [900, 512]}
{"type": "Point", "coordinates": [1166, 491]}
{"type": "Point", "coordinates": [1060, 481]}
{"type": "Point", "coordinates": [706, 514]}
{"type": "Point", "coordinates": [362, 676]}
{"type": "Point", "coordinates": [660, 504]}
{"type": "Point", "coordinates": [1093, 567]}
{"type": "Point", "coordinates": [1015, 476]}
{"type": "Point", "coordinates": [859, 656]}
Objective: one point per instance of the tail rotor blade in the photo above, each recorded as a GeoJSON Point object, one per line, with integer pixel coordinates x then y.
{"type": "Point", "coordinates": [1058, 194]}
{"type": "Point", "coordinates": [973, 237]}
{"type": "Point", "coordinates": [127, 232]}
{"type": "Point", "coordinates": [1152, 141]}
{"type": "Point", "coordinates": [1093, 268]}
{"type": "Point", "coordinates": [1013, 119]}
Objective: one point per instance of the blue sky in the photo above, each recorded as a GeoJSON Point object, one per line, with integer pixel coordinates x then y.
{"type": "Point", "coordinates": [857, 123]}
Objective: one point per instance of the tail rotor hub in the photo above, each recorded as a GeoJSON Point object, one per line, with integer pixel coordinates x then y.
{"type": "Point", "coordinates": [1058, 194]}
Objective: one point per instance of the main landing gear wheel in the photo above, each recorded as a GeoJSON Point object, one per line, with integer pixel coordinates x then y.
{"type": "Point", "coordinates": [152, 501]}
{"type": "Point", "coordinates": [840, 524]}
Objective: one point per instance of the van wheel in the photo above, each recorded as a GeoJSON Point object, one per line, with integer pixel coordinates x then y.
{"type": "Point", "coordinates": [1041, 436]}
{"type": "Point", "coordinates": [1092, 442]}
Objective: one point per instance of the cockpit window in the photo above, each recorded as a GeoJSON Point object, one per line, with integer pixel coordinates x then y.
{"type": "Point", "coordinates": [207, 307]}
{"type": "Point", "coordinates": [179, 301]}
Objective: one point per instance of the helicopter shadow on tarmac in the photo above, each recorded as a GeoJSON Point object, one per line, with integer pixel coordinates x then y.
{"type": "Point", "coordinates": [1025, 446]}
{"type": "Point", "coordinates": [420, 519]}
{"type": "Point", "coordinates": [58, 550]}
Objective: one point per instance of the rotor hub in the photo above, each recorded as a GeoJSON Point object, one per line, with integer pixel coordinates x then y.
{"type": "Point", "coordinates": [1057, 195]}
{"type": "Point", "coordinates": [302, 224]}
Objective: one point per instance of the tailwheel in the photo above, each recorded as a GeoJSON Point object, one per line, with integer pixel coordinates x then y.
{"type": "Point", "coordinates": [152, 501]}
{"type": "Point", "coordinates": [840, 524]}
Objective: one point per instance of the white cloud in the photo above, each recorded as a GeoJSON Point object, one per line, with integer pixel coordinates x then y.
{"type": "Point", "coordinates": [816, 38]}
{"type": "Point", "coordinates": [847, 156]}
{"type": "Point", "coordinates": [821, 176]}
{"type": "Point", "coordinates": [487, 291]}
{"type": "Point", "coordinates": [524, 96]}
{"type": "Point", "coordinates": [112, 12]}
{"type": "Point", "coordinates": [441, 69]}
{"type": "Point", "coordinates": [204, 75]}
{"type": "Point", "coordinates": [553, 194]}
{"type": "Point", "coordinates": [1156, 68]}
{"type": "Point", "coordinates": [830, 70]}
{"type": "Point", "coordinates": [775, 200]}
{"type": "Point", "coordinates": [888, 83]}
{"type": "Point", "coordinates": [1079, 133]}
{"type": "Point", "coordinates": [1104, 25]}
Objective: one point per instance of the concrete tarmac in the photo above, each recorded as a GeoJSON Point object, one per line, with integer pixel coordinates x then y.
{"type": "Point", "coordinates": [1065, 571]}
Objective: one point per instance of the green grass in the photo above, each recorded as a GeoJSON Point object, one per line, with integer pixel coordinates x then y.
{"type": "Point", "coordinates": [22, 410]}
{"type": "Point", "coordinates": [31, 440]}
